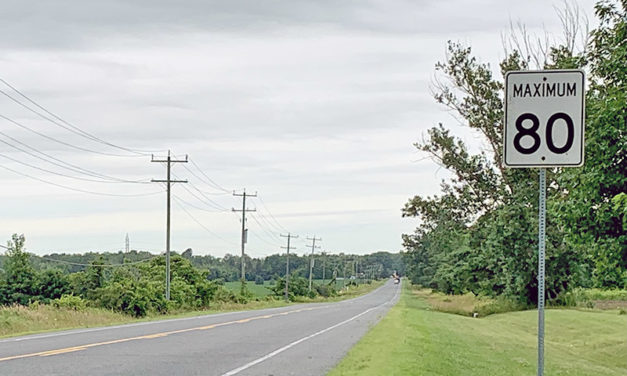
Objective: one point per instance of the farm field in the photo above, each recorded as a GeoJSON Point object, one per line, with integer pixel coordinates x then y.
{"type": "Point", "coordinates": [258, 291]}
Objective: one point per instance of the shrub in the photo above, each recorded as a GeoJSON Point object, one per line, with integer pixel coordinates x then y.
{"type": "Point", "coordinates": [70, 302]}
{"type": "Point", "coordinates": [134, 298]}
{"type": "Point", "coordinates": [325, 290]}
{"type": "Point", "coordinates": [298, 287]}
{"type": "Point", "coordinates": [224, 295]}
{"type": "Point", "coordinates": [259, 280]}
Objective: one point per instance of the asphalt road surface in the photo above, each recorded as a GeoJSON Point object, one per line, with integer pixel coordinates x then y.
{"type": "Point", "coordinates": [304, 339]}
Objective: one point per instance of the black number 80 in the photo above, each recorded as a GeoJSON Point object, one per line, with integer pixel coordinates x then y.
{"type": "Point", "coordinates": [532, 132]}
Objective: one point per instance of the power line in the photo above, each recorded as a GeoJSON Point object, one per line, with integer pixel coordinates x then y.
{"type": "Point", "coordinates": [264, 240]}
{"type": "Point", "coordinates": [60, 163]}
{"type": "Point", "coordinates": [62, 142]}
{"type": "Point", "coordinates": [210, 204]}
{"type": "Point", "coordinates": [78, 189]}
{"type": "Point", "coordinates": [54, 172]}
{"type": "Point", "coordinates": [270, 213]}
{"type": "Point", "coordinates": [212, 210]}
{"type": "Point", "coordinates": [268, 233]}
{"type": "Point", "coordinates": [176, 201]}
{"type": "Point", "coordinates": [66, 125]}
{"type": "Point", "coordinates": [208, 201]}
{"type": "Point", "coordinates": [202, 180]}
{"type": "Point", "coordinates": [216, 185]}
{"type": "Point", "coordinates": [271, 227]}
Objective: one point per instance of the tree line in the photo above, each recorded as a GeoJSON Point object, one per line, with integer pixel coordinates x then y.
{"type": "Point", "coordinates": [480, 234]}
{"type": "Point", "coordinates": [134, 282]}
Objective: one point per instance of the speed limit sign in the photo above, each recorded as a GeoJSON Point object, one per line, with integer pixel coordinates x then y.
{"type": "Point", "coordinates": [544, 118]}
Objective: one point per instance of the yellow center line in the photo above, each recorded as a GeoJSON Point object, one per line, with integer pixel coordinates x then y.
{"type": "Point", "coordinates": [149, 336]}
{"type": "Point", "coordinates": [63, 351]}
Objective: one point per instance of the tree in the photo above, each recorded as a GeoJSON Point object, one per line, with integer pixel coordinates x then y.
{"type": "Point", "coordinates": [589, 211]}
{"type": "Point", "coordinates": [19, 285]}
{"type": "Point", "coordinates": [480, 233]}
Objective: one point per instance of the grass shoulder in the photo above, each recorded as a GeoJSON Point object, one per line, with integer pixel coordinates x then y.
{"type": "Point", "coordinates": [415, 339]}
{"type": "Point", "coordinates": [19, 320]}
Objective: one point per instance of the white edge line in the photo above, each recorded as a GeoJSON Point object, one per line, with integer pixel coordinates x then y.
{"type": "Point", "coordinates": [290, 345]}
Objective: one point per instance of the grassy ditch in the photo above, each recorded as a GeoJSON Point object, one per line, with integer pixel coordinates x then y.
{"type": "Point", "coordinates": [467, 304]}
{"type": "Point", "coordinates": [414, 339]}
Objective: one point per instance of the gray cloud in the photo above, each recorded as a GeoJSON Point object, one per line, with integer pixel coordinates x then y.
{"type": "Point", "coordinates": [315, 104]}
{"type": "Point", "coordinates": [72, 23]}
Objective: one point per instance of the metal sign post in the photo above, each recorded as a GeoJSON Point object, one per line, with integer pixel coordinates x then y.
{"type": "Point", "coordinates": [544, 127]}
{"type": "Point", "coordinates": [541, 250]}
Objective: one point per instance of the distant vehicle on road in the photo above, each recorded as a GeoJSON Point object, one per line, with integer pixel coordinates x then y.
{"type": "Point", "coordinates": [397, 278]}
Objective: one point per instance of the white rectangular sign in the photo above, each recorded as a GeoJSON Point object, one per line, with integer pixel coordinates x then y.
{"type": "Point", "coordinates": [544, 118]}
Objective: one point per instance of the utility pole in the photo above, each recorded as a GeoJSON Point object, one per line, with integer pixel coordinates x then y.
{"type": "Point", "coordinates": [168, 182]}
{"type": "Point", "coordinates": [287, 264]}
{"type": "Point", "coordinates": [324, 265]}
{"type": "Point", "coordinates": [311, 259]}
{"type": "Point", "coordinates": [244, 231]}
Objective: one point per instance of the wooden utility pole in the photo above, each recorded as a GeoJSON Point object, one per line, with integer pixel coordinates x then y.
{"type": "Point", "coordinates": [244, 231]}
{"type": "Point", "coordinates": [311, 259]}
{"type": "Point", "coordinates": [168, 182]}
{"type": "Point", "coordinates": [287, 264]}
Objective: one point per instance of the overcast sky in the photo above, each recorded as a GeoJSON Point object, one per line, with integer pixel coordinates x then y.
{"type": "Point", "coordinates": [314, 105]}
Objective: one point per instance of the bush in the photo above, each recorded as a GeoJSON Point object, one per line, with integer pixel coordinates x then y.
{"type": "Point", "coordinates": [70, 302]}
{"type": "Point", "coordinates": [134, 298]}
{"type": "Point", "coordinates": [224, 295]}
{"type": "Point", "coordinates": [325, 290]}
{"type": "Point", "coordinates": [259, 280]}
{"type": "Point", "coordinates": [298, 287]}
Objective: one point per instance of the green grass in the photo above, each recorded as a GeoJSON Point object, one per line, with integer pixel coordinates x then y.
{"type": "Point", "coordinates": [258, 291]}
{"type": "Point", "coordinates": [17, 319]}
{"type": "Point", "coordinates": [414, 340]}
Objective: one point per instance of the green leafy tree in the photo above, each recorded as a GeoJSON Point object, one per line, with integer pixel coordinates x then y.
{"type": "Point", "coordinates": [19, 285]}
{"type": "Point", "coordinates": [480, 233]}
{"type": "Point", "coordinates": [52, 284]}
{"type": "Point", "coordinates": [595, 223]}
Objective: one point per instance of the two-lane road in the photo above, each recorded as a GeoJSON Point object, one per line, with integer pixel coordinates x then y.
{"type": "Point", "coordinates": [304, 339]}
